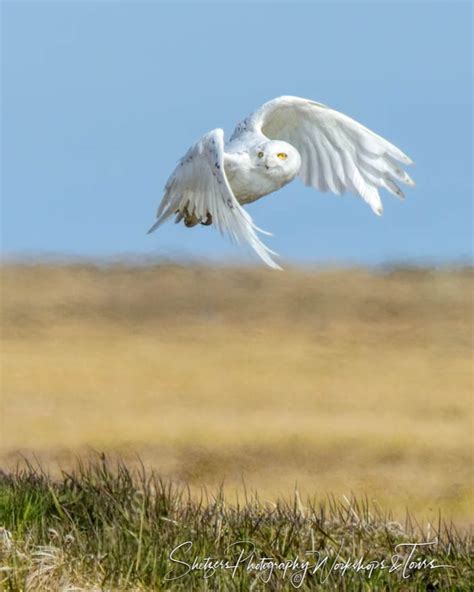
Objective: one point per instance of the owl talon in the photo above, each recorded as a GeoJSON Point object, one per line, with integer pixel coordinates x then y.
{"type": "Point", "coordinates": [190, 221]}
{"type": "Point", "coordinates": [207, 221]}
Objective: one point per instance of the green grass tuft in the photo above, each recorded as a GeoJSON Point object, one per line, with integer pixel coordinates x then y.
{"type": "Point", "coordinates": [104, 526]}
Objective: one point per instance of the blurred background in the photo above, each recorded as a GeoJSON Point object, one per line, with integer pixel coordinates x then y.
{"type": "Point", "coordinates": [352, 370]}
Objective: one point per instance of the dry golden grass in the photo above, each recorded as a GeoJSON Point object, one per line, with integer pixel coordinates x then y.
{"type": "Point", "coordinates": [338, 381]}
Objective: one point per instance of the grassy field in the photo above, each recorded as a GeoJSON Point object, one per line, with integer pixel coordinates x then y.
{"type": "Point", "coordinates": [334, 381]}
{"type": "Point", "coordinates": [339, 381]}
{"type": "Point", "coordinates": [103, 527]}
{"type": "Point", "coordinates": [336, 384]}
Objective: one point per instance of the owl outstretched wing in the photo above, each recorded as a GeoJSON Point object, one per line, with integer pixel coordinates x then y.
{"type": "Point", "coordinates": [199, 187]}
{"type": "Point", "coordinates": [338, 154]}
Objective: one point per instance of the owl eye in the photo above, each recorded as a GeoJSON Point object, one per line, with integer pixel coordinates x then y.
{"type": "Point", "coordinates": [282, 155]}
{"type": "Point", "coordinates": [260, 154]}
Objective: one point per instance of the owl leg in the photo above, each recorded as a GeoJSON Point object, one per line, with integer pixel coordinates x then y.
{"type": "Point", "coordinates": [191, 220]}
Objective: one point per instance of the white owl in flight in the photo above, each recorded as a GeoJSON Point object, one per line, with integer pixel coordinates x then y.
{"type": "Point", "coordinates": [287, 136]}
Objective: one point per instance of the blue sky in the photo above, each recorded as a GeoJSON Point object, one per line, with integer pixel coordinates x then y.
{"type": "Point", "coordinates": [100, 99]}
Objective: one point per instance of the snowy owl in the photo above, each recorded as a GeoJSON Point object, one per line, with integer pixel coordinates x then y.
{"type": "Point", "coordinates": [287, 136]}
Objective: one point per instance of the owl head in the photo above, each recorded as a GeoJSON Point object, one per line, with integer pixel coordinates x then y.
{"type": "Point", "coordinates": [277, 156]}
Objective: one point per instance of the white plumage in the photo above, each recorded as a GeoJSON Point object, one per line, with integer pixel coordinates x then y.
{"type": "Point", "coordinates": [285, 137]}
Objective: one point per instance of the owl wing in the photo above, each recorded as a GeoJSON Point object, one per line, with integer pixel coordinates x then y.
{"type": "Point", "coordinates": [338, 154]}
{"type": "Point", "coordinates": [199, 186]}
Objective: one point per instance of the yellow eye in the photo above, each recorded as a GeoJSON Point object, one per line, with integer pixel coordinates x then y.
{"type": "Point", "coordinates": [282, 155]}
{"type": "Point", "coordinates": [260, 154]}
